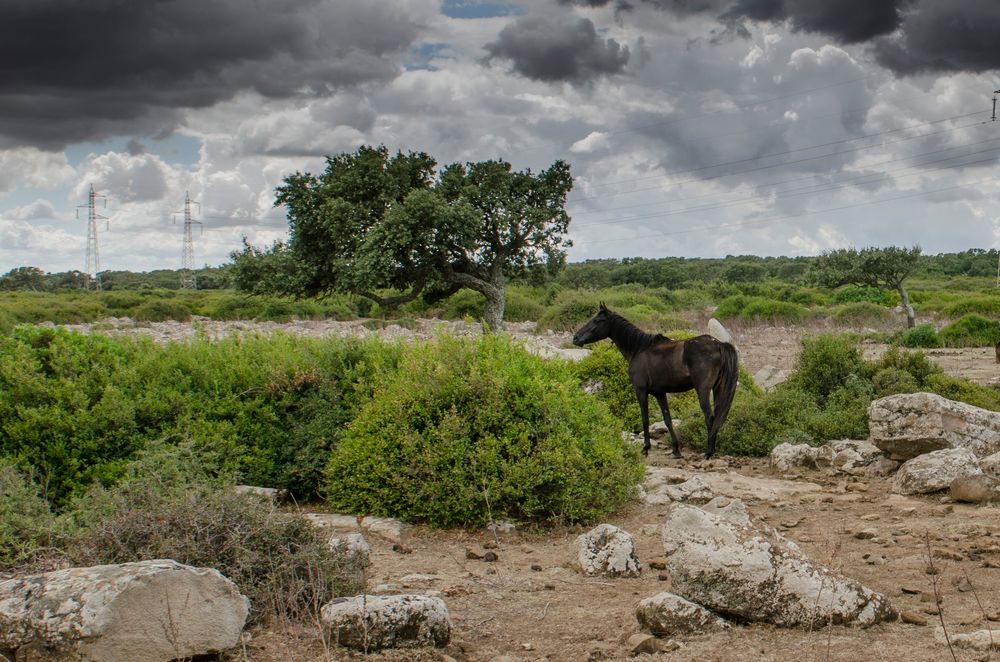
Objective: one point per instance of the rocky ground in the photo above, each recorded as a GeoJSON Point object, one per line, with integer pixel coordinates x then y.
{"type": "Point", "coordinates": [532, 602]}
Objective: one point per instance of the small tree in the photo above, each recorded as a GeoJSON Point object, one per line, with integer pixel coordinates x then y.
{"type": "Point", "coordinates": [373, 223]}
{"type": "Point", "coordinates": [884, 268]}
{"type": "Point", "coordinates": [23, 278]}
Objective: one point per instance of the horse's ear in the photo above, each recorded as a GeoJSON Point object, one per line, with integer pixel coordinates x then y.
{"type": "Point", "coordinates": [603, 307]}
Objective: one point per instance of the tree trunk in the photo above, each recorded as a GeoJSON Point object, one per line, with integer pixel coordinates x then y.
{"type": "Point", "coordinates": [911, 320]}
{"type": "Point", "coordinates": [493, 312]}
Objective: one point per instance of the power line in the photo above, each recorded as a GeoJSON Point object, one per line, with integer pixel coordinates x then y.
{"type": "Point", "coordinates": [765, 221]}
{"type": "Point", "coordinates": [92, 272]}
{"type": "Point", "coordinates": [784, 163]}
{"type": "Point", "coordinates": [805, 190]}
{"type": "Point", "coordinates": [188, 280]}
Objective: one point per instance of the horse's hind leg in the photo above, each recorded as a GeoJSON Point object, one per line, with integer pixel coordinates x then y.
{"type": "Point", "coordinates": [643, 397]}
{"type": "Point", "coordinates": [675, 444]}
{"type": "Point", "coordinates": [706, 409]}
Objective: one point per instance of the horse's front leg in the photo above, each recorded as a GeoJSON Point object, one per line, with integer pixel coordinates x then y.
{"type": "Point", "coordinates": [643, 397]}
{"type": "Point", "coordinates": [675, 444]}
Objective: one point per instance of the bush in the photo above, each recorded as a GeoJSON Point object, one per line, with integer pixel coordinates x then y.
{"type": "Point", "coordinates": [922, 335]}
{"type": "Point", "coordinates": [890, 381]}
{"type": "Point", "coordinates": [161, 310]}
{"type": "Point", "coordinates": [860, 293]}
{"type": "Point", "coordinates": [570, 311]}
{"type": "Point", "coordinates": [465, 431]}
{"type": "Point", "coordinates": [172, 508]}
{"type": "Point", "coordinates": [862, 313]}
{"type": "Point", "coordinates": [982, 305]}
{"type": "Point", "coordinates": [971, 331]}
{"type": "Point", "coordinates": [25, 519]}
{"type": "Point", "coordinates": [760, 309]}
{"type": "Point", "coordinates": [915, 364]}
{"type": "Point", "coordinates": [826, 362]}
{"type": "Point", "coordinates": [963, 390]}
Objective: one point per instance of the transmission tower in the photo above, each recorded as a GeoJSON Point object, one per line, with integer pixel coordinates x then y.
{"type": "Point", "coordinates": [188, 280]}
{"type": "Point", "coordinates": [92, 275]}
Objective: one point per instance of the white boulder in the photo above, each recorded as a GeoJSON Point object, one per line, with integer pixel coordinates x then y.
{"type": "Point", "coordinates": [910, 424]}
{"type": "Point", "coordinates": [608, 550]}
{"type": "Point", "coordinates": [374, 622]}
{"type": "Point", "coordinates": [666, 614]}
{"type": "Point", "coordinates": [935, 471]}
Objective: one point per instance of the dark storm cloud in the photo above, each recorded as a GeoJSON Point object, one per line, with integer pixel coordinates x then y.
{"type": "Point", "coordinates": [549, 49]}
{"type": "Point", "coordinates": [945, 35]}
{"type": "Point", "coordinates": [74, 70]}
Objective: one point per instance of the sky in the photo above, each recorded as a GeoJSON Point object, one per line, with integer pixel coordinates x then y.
{"type": "Point", "coordinates": [694, 128]}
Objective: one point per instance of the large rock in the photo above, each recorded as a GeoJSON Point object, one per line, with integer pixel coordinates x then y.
{"type": "Point", "coordinates": [854, 456]}
{"type": "Point", "coordinates": [693, 490]}
{"type": "Point", "coordinates": [374, 622]}
{"type": "Point", "coordinates": [935, 471]}
{"type": "Point", "coordinates": [353, 546]}
{"type": "Point", "coordinates": [910, 424]}
{"type": "Point", "coordinates": [980, 488]}
{"type": "Point", "coordinates": [991, 465]}
{"type": "Point", "coordinates": [718, 331]}
{"type": "Point", "coordinates": [785, 457]}
{"type": "Point", "coordinates": [720, 559]}
{"type": "Point", "coordinates": [607, 550]}
{"type": "Point", "coordinates": [666, 614]}
{"type": "Point", "coordinates": [149, 610]}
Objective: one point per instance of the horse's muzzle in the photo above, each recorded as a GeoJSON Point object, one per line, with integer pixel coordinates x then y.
{"type": "Point", "coordinates": [577, 341]}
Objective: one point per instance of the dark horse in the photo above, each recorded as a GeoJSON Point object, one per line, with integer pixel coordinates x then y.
{"type": "Point", "coordinates": [658, 365]}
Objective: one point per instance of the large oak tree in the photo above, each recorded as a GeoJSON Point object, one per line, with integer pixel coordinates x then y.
{"type": "Point", "coordinates": [883, 268]}
{"type": "Point", "coordinates": [374, 223]}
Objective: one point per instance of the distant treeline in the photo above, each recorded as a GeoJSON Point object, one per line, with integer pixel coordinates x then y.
{"type": "Point", "coordinates": [669, 272]}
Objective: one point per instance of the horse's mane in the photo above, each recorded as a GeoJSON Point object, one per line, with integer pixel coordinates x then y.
{"type": "Point", "coordinates": [631, 338]}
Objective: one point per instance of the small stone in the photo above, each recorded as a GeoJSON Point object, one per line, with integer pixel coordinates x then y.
{"type": "Point", "coordinates": [909, 590]}
{"type": "Point", "coordinates": [527, 646]}
{"type": "Point", "coordinates": [962, 583]}
{"type": "Point", "coordinates": [490, 557]}
{"type": "Point", "coordinates": [663, 577]}
{"type": "Point", "coordinates": [870, 517]}
{"type": "Point", "coordinates": [932, 610]}
{"type": "Point", "coordinates": [640, 643]}
{"type": "Point", "coordinates": [472, 554]}
{"type": "Point", "coordinates": [913, 618]}
{"type": "Point", "coordinates": [866, 534]}
{"type": "Point", "coordinates": [857, 487]}
{"type": "Point", "coordinates": [658, 565]}
{"type": "Point", "coordinates": [946, 553]}
{"type": "Point", "coordinates": [536, 567]}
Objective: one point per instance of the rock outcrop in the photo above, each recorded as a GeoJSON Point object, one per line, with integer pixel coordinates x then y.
{"type": "Point", "coordinates": [910, 424]}
{"type": "Point", "coordinates": [149, 610]}
{"type": "Point", "coordinates": [666, 614]}
{"type": "Point", "coordinates": [935, 471]}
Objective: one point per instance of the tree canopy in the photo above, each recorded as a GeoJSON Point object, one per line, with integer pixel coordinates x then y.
{"type": "Point", "coordinates": [374, 222]}
{"type": "Point", "coordinates": [884, 268]}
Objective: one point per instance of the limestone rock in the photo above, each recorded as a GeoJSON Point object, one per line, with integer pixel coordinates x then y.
{"type": "Point", "coordinates": [721, 559]}
{"type": "Point", "coordinates": [910, 424]}
{"type": "Point", "coordinates": [854, 456]}
{"type": "Point", "coordinates": [716, 329]}
{"type": "Point", "coordinates": [268, 493]}
{"type": "Point", "coordinates": [991, 465]}
{"type": "Point", "coordinates": [354, 546]}
{"type": "Point", "coordinates": [666, 614]}
{"type": "Point", "coordinates": [785, 457]}
{"type": "Point", "coordinates": [149, 610]}
{"type": "Point", "coordinates": [608, 550]}
{"type": "Point", "coordinates": [980, 488]}
{"type": "Point", "coordinates": [387, 621]}
{"type": "Point", "coordinates": [935, 471]}
{"type": "Point", "coordinates": [693, 490]}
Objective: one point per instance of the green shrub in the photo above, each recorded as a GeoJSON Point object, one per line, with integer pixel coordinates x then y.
{"type": "Point", "coordinates": [120, 303]}
{"type": "Point", "coordinates": [825, 364]}
{"type": "Point", "coordinates": [963, 390]}
{"type": "Point", "coordinates": [862, 313]}
{"type": "Point", "coordinates": [760, 309]}
{"type": "Point", "coordinates": [25, 519]}
{"type": "Point", "coordinates": [468, 430]}
{"type": "Point", "coordinates": [171, 508]}
{"type": "Point", "coordinates": [161, 310]}
{"type": "Point", "coordinates": [981, 305]}
{"type": "Point", "coordinates": [971, 331]}
{"type": "Point", "coordinates": [569, 311]}
{"type": "Point", "coordinates": [922, 335]}
{"type": "Point", "coordinates": [844, 414]}
{"type": "Point", "coordinates": [890, 381]}
{"type": "Point", "coordinates": [860, 293]}
{"type": "Point", "coordinates": [915, 364]}
{"type": "Point", "coordinates": [519, 306]}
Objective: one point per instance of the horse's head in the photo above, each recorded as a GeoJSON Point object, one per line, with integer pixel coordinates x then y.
{"type": "Point", "coordinates": [597, 328]}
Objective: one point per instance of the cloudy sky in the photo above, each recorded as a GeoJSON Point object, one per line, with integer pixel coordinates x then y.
{"type": "Point", "coordinates": [693, 127]}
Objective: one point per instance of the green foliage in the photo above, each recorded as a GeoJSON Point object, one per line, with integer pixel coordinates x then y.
{"type": "Point", "coordinates": [915, 364]}
{"type": "Point", "coordinates": [862, 313]}
{"type": "Point", "coordinates": [78, 407]}
{"type": "Point", "coordinates": [25, 519]}
{"type": "Point", "coordinates": [468, 430]}
{"type": "Point", "coordinates": [921, 336]}
{"type": "Point", "coordinates": [890, 381]}
{"type": "Point", "coordinates": [759, 309]}
{"type": "Point", "coordinates": [825, 364]}
{"type": "Point", "coordinates": [159, 310]}
{"type": "Point", "coordinates": [570, 311]}
{"type": "Point", "coordinates": [859, 294]}
{"type": "Point", "coordinates": [172, 508]}
{"type": "Point", "coordinates": [981, 305]}
{"type": "Point", "coordinates": [971, 331]}
{"type": "Point", "coordinates": [963, 390]}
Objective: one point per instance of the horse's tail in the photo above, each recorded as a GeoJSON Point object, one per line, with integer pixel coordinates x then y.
{"type": "Point", "coordinates": [728, 378]}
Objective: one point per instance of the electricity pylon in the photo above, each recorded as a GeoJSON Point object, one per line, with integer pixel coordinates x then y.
{"type": "Point", "coordinates": [188, 280]}
{"type": "Point", "coordinates": [91, 275]}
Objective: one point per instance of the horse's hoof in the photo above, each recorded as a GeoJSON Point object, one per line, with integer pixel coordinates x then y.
{"type": "Point", "coordinates": [645, 452]}
{"type": "Point", "coordinates": [676, 455]}
{"type": "Point", "coordinates": [708, 456]}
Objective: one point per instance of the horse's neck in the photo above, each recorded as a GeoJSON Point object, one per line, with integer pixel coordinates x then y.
{"type": "Point", "coordinates": [629, 339]}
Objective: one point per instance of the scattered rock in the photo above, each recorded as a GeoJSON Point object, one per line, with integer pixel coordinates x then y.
{"type": "Point", "coordinates": [641, 643]}
{"type": "Point", "coordinates": [991, 465]}
{"type": "Point", "coordinates": [981, 488]}
{"type": "Point", "coordinates": [667, 614]}
{"type": "Point", "coordinates": [473, 555]}
{"type": "Point", "coordinates": [913, 618]}
{"type": "Point", "coordinates": [716, 329]}
{"type": "Point", "coordinates": [417, 578]}
{"type": "Point", "coordinates": [658, 565]}
{"type": "Point", "coordinates": [866, 534]}
{"type": "Point", "coordinates": [149, 610]}
{"type": "Point", "coordinates": [387, 621]}
{"type": "Point", "coordinates": [491, 557]}
{"type": "Point", "coordinates": [608, 550]}
{"type": "Point", "coordinates": [693, 490]}
{"type": "Point", "coordinates": [385, 527]}
{"type": "Point", "coordinates": [353, 545]}
{"type": "Point", "coordinates": [911, 424]}
{"type": "Point", "coordinates": [935, 471]}
{"type": "Point", "coordinates": [719, 558]}
{"type": "Point", "coordinates": [785, 457]}
{"type": "Point", "coordinates": [503, 526]}
{"type": "Point", "coordinates": [535, 567]}
{"type": "Point", "coordinates": [268, 493]}
{"type": "Point", "coordinates": [980, 640]}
